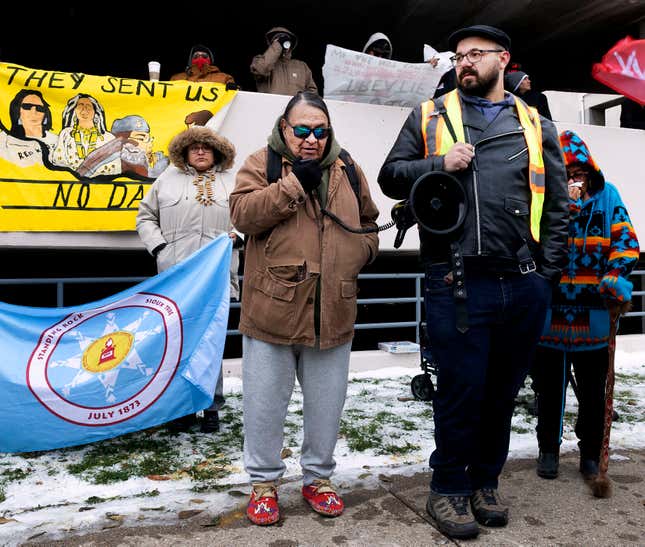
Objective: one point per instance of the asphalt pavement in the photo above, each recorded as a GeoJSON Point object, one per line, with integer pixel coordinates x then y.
{"type": "Point", "coordinates": [391, 512]}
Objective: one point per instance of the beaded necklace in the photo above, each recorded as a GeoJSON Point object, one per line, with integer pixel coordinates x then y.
{"type": "Point", "coordinates": [204, 185]}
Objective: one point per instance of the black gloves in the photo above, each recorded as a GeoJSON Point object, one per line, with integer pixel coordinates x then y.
{"type": "Point", "coordinates": [309, 174]}
{"type": "Point", "coordinates": [232, 86]}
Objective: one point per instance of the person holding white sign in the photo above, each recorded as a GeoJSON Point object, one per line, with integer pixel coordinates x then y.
{"type": "Point", "coordinates": [378, 45]}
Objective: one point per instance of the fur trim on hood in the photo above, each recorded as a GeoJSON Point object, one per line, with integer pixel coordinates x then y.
{"type": "Point", "coordinates": [276, 30]}
{"type": "Point", "coordinates": [224, 149]}
{"type": "Point", "coordinates": [375, 38]}
{"type": "Point", "coordinates": [576, 152]}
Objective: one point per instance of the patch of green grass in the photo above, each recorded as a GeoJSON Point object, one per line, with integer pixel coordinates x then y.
{"type": "Point", "coordinates": [355, 412]}
{"type": "Point", "coordinates": [11, 475]}
{"type": "Point", "coordinates": [623, 378]}
{"type": "Point", "coordinates": [230, 437]}
{"type": "Point", "coordinates": [408, 425]}
{"type": "Point", "coordinates": [14, 474]}
{"type": "Point", "coordinates": [519, 429]}
{"type": "Point", "coordinates": [134, 455]}
{"type": "Point", "coordinates": [360, 437]}
{"type": "Point", "coordinates": [363, 432]}
{"type": "Point", "coordinates": [397, 449]}
{"type": "Point", "coordinates": [385, 417]}
{"type": "Point", "coordinates": [426, 413]}
{"type": "Point", "coordinates": [108, 476]}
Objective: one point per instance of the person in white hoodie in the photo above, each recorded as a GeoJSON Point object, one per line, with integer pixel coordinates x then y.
{"type": "Point", "coordinates": [378, 45]}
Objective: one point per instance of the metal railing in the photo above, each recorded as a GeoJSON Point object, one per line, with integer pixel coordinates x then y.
{"type": "Point", "coordinates": [417, 299]}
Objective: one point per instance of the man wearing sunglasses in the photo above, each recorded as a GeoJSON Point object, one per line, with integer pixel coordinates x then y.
{"type": "Point", "coordinates": [299, 298]}
{"type": "Point", "coordinates": [488, 284]}
{"type": "Point", "coordinates": [275, 71]}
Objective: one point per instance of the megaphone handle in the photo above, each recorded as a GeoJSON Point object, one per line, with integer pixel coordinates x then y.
{"type": "Point", "coordinates": [398, 240]}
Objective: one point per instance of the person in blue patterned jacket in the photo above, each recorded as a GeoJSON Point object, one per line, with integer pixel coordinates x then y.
{"type": "Point", "coordinates": [603, 250]}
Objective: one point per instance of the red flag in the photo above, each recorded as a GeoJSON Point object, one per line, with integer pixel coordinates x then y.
{"type": "Point", "coordinates": [623, 69]}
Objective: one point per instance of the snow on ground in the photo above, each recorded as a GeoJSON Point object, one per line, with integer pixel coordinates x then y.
{"type": "Point", "coordinates": [77, 490]}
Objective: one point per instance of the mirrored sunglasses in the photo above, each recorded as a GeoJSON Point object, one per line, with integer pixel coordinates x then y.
{"type": "Point", "coordinates": [303, 132]}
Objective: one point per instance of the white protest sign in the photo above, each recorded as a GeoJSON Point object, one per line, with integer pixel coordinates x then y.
{"type": "Point", "coordinates": [358, 77]}
{"type": "Point", "coordinates": [444, 64]}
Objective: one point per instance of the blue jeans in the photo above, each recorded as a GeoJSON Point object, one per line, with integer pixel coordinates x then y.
{"type": "Point", "coordinates": [479, 372]}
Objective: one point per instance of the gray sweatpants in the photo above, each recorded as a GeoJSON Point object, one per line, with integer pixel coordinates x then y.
{"type": "Point", "coordinates": [268, 376]}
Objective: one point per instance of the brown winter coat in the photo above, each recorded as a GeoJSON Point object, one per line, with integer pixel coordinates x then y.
{"type": "Point", "coordinates": [280, 74]}
{"type": "Point", "coordinates": [290, 246]}
{"type": "Point", "coordinates": [210, 74]}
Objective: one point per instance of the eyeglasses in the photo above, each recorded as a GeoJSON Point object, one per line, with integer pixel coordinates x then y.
{"type": "Point", "coordinates": [199, 148]}
{"type": "Point", "coordinates": [473, 56]}
{"type": "Point", "coordinates": [29, 106]}
{"type": "Point", "coordinates": [303, 132]}
{"type": "Point", "coordinates": [576, 174]}
{"type": "Point", "coordinates": [200, 54]}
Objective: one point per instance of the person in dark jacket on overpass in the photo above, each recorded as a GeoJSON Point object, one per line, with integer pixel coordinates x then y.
{"type": "Point", "coordinates": [489, 278]}
{"type": "Point", "coordinates": [519, 83]}
{"type": "Point", "coordinates": [276, 71]}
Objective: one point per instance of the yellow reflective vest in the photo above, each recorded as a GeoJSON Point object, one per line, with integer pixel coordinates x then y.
{"type": "Point", "coordinates": [440, 142]}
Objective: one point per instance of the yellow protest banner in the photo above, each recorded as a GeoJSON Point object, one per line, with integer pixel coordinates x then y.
{"type": "Point", "coordinates": [78, 152]}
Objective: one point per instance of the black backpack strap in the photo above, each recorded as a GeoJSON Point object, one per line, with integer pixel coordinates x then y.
{"type": "Point", "coordinates": [274, 170]}
{"type": "Point", "coordinates": [274, 165]}
{"type": "Point", "coordinates": [350, 169]}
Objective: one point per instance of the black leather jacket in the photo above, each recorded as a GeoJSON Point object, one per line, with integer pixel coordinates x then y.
{"type": "Point", "coordinates": [497, 224]}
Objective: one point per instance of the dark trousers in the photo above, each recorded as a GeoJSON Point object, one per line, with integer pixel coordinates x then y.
{"type": "Point", "coordinates": [550, 378]}
{"type": "Point", "coordinates": [480, 372]}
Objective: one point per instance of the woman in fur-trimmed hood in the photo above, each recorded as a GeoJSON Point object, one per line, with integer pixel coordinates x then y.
{"type": "Point", "coordinates": [185, 209]}
{"type": "Point", "coordinates": [223, 148]}
{"type": "Point", "coordinates": [603, 250]}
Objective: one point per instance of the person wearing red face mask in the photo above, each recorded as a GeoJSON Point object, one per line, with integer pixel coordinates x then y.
{"type": "Point", "coordinates": [200, 68]}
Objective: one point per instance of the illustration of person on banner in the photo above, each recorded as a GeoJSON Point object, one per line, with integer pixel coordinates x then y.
{"type": "Point", "coordinates": [132, 149]}
{"type": "Point", "coordinates": [84, 130]}
{"type": "Point", "coordinates": [30, 140]}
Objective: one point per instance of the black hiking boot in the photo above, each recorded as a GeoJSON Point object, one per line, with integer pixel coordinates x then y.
{"type": "Point", "coordinates": [210, 422]}
{"type": "Point", "coordinates": [547, 465]}
{"type": "Point", "coordinates": [183, 424]}
{"type": "Point", "coordinates": [589, 469]}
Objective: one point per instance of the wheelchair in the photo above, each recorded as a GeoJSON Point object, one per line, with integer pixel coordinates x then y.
{"type": "Point", "coordinates": [421, 385]}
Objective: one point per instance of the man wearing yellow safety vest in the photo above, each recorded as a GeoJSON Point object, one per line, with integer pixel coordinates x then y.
{"type": "Point", "coordinates": [488, 279]}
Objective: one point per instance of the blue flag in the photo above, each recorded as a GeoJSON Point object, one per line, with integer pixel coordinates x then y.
{"type": "Point", "coordinates": [140, 358]}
